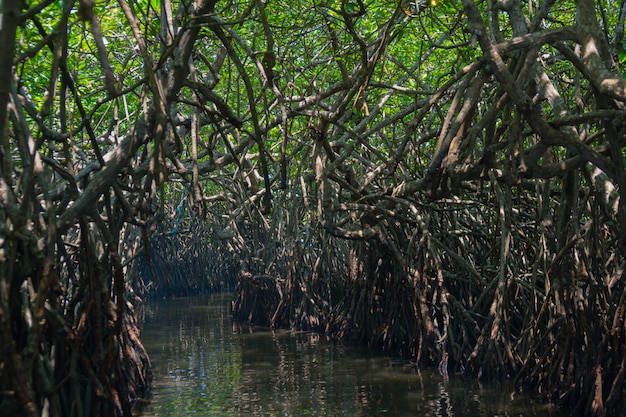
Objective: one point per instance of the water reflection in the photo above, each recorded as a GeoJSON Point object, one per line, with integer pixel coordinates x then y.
{"type": "Point", "coordinates": [205, 365]}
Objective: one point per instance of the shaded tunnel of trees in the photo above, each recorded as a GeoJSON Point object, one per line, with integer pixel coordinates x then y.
{"type": "Point", "coordinates": [437, 180]}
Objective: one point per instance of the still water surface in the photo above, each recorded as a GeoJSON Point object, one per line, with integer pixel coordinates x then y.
{"type": "Point", "coordinates": [206, 365]}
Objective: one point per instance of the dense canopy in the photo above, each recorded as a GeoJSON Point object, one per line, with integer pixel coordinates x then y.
{"type": "Point", "coordinates": [441, 180]}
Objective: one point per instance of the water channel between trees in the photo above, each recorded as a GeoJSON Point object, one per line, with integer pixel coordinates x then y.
{"type": "Point", "coordinates": [205, 364]}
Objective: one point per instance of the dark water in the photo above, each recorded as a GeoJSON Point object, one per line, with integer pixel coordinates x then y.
{"type": "Point", "coordinates": [206, 365]}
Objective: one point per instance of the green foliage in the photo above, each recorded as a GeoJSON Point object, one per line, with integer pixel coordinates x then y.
{"type": "Point", "coordinates": [311, 131]}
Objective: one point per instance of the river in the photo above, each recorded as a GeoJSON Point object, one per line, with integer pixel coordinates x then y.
{"type": "Point", "coordinates": [206, 365]}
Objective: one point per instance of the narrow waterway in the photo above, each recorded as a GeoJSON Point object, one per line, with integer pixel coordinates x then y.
{"type": "Point", "coordinates": [206, 365]}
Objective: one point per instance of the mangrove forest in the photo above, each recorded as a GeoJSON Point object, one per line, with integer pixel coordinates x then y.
{"type": "Point", "coordinates": [440, 181]}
